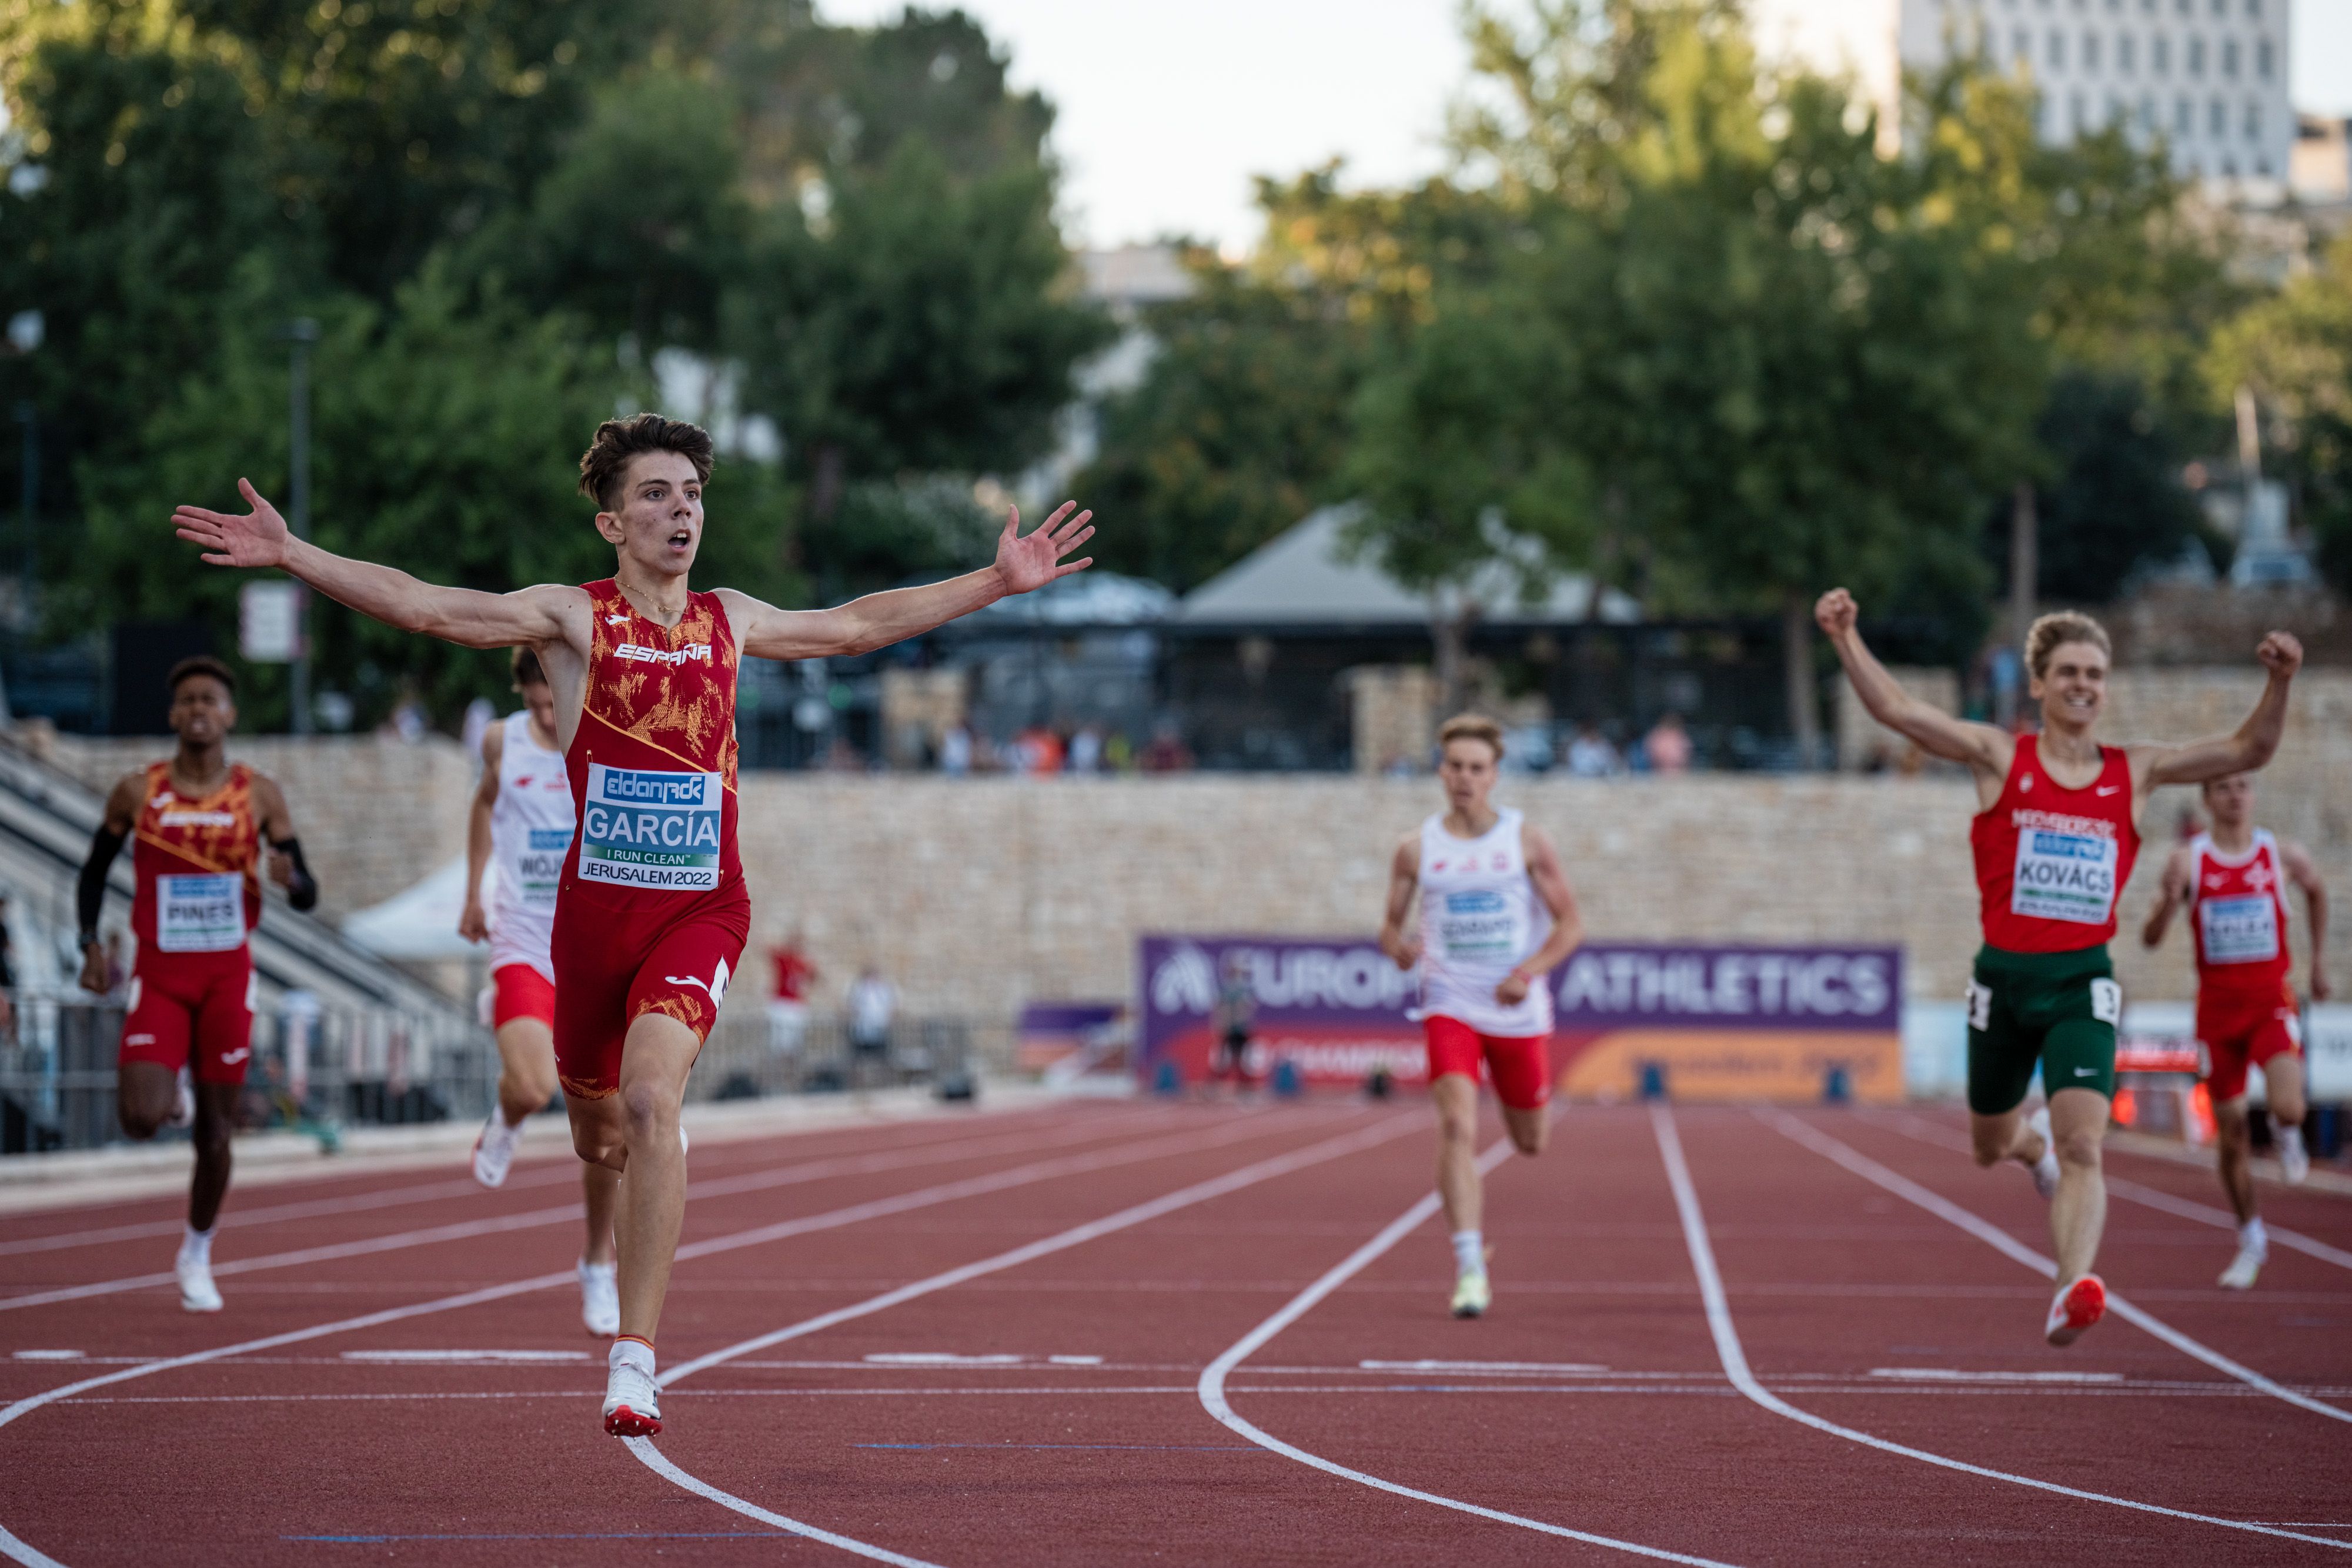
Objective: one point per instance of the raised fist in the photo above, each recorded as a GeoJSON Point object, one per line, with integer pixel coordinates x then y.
{"type": "Point", "coordinates": [1835, 612]}
{"type": "Point", "coordinates": [2281, 653]}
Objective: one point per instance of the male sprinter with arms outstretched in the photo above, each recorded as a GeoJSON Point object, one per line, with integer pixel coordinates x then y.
{"type": "Point", "coordinates": [652, 915]}
{"type": "Point", "coordinates": [1480, 873]}
{"type": "Point", "coordinates": [2054, 842]}
{"type": "Point", "coordinates": [199, 822]}
{"type": "Point", "coordinates": [522, 816]}
{"type": "Point", "coordinates": [2232, 881]}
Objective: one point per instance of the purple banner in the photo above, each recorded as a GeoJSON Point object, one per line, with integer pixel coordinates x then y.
{"type": "Point", "coordinates": [1627, 985]}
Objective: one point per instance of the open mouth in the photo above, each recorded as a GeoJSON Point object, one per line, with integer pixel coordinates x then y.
{"type": "Point", "coordinates": [680, 539]}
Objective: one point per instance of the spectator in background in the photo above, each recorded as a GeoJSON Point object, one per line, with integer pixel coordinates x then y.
{"type": "Point", "coordinates": [1589, 755]}
{"type": "Point", "coordinates": [406, 722]}
{"type": "Point", "coordinates": [955, 750]}
{"type": "Point", "coordinates": [1166, 751]}
{"type": "Point", "coordinates": [1086, 750]}
{"type": "Point", "coordinates": [1668, 744]}
{"type": "Point", "coordinates": [1040, 751]}
{"type": "Point", "coordinates": [872, 1003]}
{"type": "Point", "coordinates": [1119, 753]}
{"type": "Point", "coordinates": [479, 717]}
{"type": "Point", "coordinates": [843, 758]}
{"type": "Point", "coordinates": [788, 1009]}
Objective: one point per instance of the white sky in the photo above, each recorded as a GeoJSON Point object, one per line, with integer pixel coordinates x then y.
{"type": "Point", "coordinates": [1168, 107]}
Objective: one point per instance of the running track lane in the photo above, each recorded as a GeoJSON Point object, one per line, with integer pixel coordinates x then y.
{"type": "Point", "coordinates": [415, 1469]}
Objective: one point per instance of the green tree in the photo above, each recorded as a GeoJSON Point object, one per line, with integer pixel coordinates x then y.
{"type": "Point", "coordinates": [2114, 501]}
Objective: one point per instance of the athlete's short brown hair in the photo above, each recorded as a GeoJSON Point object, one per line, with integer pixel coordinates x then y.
{"type": "Point", "coordinates": [607, 461]}
{"type": "Point", "coordinates": [199, 664]}
{"type": "Point", "coordinates": [1471, 727]}
{"type": "Point", "coordinates": [527, 673]}
{"type": "Point", "coordinates": [2054, 631]}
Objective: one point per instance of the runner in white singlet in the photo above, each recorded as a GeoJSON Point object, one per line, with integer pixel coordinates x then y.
{"type": "Point", "coordinates": [1497, 918]}
{"type": "Point", "coordinates": [523, 821]}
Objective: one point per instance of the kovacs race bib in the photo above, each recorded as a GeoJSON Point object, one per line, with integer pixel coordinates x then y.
{"type": "Point", "coordinates": [651, 830]}
{"type": "Point", "coordinates": [2064, 875]}
{"type": "Point", "coordinates": [2241, 930]}
{"type": "Point", "coordinates": [539, 869]}
{"type": "Point", "coordinates": [199, 913]}
{"type": "Point", "coordinates": [1477, 926]}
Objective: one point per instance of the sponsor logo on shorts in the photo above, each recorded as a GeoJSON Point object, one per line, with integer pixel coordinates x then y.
{"type": "Point", "coordinates": [138, 1039]}
{"type": "Point", "coordinates": [231, 1057]}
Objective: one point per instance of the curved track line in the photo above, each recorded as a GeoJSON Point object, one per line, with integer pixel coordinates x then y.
{"type": "Point", "coordinates": [1211, 1387]}
{"type": "Point", "coordinates": [1734, 1357]}
{"type": "Point", "coordinates": [12, 1546]}
{"type": "Point", "coordinates": [1984, 1230]}
{"type": "Point", "coordinates": [566, 1213]}
{"type": "Point", "coordinates": [655, 1460]}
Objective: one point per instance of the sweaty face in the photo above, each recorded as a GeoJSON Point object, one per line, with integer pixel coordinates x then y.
{"type": "Point", "coordinates": [2073, 687]}
{"type": "Point", "coordinates": [657, 522]}
{"type": "Point", "coordinates": [2230, 799]}
{"type": "Point", "coordinates": [1467, 771]}
{"type": "Point", "coordinates": [202, 710]}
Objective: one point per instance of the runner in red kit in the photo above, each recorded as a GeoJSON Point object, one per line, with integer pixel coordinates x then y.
{"type": "Point", "coordinates": [651, 912]}
{"type": "Point", "coordinates": [2055, 843]}
{"type": "Point", "coordinates": [2232, 882]}
{"type": "Point", "coordinates": [198, 822]}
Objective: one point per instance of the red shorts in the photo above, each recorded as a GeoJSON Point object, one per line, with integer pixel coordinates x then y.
{"type": "Point", "coordinates": [2237, 1031]}
{"type": "Point", "coordinates": [520, 991]}
{"type": "Point", "coordinates": [1521, 1068]}
{"type": "Point", "coordinates": [196, 1013]}
{"type": "Point", "coordinates": [613, 966]}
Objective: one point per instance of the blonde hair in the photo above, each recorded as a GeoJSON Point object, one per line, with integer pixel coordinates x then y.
{"type": "Point", "coordinates": [2053, 632]}
{"type": "Point", "coordinates": [1471, 727]}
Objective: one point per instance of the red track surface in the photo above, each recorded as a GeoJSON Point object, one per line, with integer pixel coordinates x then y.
{"type": "Point", "coordinates": [1603, 1405]}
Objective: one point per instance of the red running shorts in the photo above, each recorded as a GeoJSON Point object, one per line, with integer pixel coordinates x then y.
{"type": "Point", "coordinates": [613, 966]}
{"type": "Point", "coordinates": [194, 1013]}
{"type": "Point", "coordinates": [1521, 1068]}
{"type": "Point", "coordinates": [520, 991]}
{"type": "Point", "coordinates": [2239, 1030]}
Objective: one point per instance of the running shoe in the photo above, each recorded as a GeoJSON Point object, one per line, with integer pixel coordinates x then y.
{"type": "Point", "coordinates": [2240, 1275]}
{"type": "Point", "coordinates": [632, 1401]}
{"type": "Point", "coordinates": [2045, 1169]}
{"type": "Point", "coordinates": [197, 1292]}
{"type": "Point", "coordinates": [494, 1150]}
{"type": "Point", "coordinates": [2295, 1160]}
{"type": "Point", "coordinates": [183, 1103]}
{"type": "Point", "coordinates": [1472, 1296]}
{"type": "Point", "coordinates": [600, 1298]}
{"type": "Point", "coordinates": [2075, 1309]}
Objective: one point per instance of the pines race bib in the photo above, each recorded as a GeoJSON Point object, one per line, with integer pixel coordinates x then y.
{"type": "Point", "coordinates": [2065, 876]}
{"type": "Point", "coordinates": [2241, 930]}
{"type": "Point", "coordinates": [652, 829]}
{"type": "Point", "coordinates": [199, 913]}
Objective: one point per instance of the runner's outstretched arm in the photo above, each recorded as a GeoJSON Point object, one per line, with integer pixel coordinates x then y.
{"type": "Point", "coordinates": [1939, 734]}
{"type": "Point", "coordinates": [2303, 872]}
{"type": "Point", "coordinates": [764, 632]}
{"type": "Point", "coordinates": [2173, 893]}
{"type": "Point", "coordinates": [259, 540]}
{"type": "Point", "coordinates": [2242, 750]}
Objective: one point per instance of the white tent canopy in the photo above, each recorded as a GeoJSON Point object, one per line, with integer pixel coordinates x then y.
{"type": "Point", "coordinates": [419, 924]}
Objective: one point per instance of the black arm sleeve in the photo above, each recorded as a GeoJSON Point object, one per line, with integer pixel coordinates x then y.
{"type": "Point", "coordinates": [302, 893]}
{"type": "Point", "coordinates": [90, 893]}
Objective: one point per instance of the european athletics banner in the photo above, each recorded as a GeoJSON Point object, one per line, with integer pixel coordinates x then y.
{"type": "Point", "coordinates": [1723, 1020]}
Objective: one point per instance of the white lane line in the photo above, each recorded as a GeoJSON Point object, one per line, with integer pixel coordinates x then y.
{"type": "Point", "coordinates": [467, 1357]}
{"type": "Point", "coordinates": [1928, 1132]}
{"type": "Point", "coordinates": [1212, 1389]}
{"type": "Point", "coordinates": [655, 1460]}
{"type": "Point", "coordinates": [1734, 1356]}
{"type": "Point", "coordinates": [569, 1213]}
{"type": "Point", "coordinates": [945, 1193]}
{"type": "Point", "coordinates": [1481, 1367]}
{"type": "Point", "coordinates": [1943, 1208]}
{"type": "Point", "coordinates": [1951, 1375]}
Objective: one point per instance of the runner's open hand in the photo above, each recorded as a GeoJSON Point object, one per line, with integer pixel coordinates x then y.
{"type": "Point", "coordinates": [2281, 653]}
{"type": "Point", "coordinates": [1036, 560]}
{"type": "Point", "coordinates": [257, 539]}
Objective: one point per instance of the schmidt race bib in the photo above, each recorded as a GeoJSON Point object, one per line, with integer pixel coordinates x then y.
{"type": "Point", "coordinates": [2242, 930]}
{"type": "Point", "coordinates": [655, 831]}
{"type": "Point", "coordinates": [539, 869]}
{"type": "Point", "coordinates": [199, 913]}
{"type": "Point", "coordinates": [2065, 876]}
{"type": "Point", "coordinates": [1477, 926]}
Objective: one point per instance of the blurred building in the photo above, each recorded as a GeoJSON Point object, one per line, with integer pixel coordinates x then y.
{"type": "Point", "coordinates": [2210, 76]}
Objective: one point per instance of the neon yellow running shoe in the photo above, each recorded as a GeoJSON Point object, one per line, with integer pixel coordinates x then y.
{"type": "Point", "coordinates": [1472, 1295]}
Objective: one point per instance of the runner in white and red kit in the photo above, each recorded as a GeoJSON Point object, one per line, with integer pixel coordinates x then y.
{"type": "Point", "coordinates": [521, 821]}
{"type": "Point", "coordinates": [2054, 840]}
{"type": "Point", "coordinates": [2232, 882]}
{"type": "Point", "coordinates": [1497, 916]}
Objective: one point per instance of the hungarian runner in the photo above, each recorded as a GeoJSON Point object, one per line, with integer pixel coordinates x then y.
{"type": "Point", "coordinates": [2054, 842]}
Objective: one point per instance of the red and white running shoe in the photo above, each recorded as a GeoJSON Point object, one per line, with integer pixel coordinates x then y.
{"type": "Point", "coordinates": [2075, 1309]}
{"type": "Point", "coordinates": [632, 1397]}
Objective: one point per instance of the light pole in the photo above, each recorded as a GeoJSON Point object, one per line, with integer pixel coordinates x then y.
{"type": "Point", "coordinates": [301, 333]}
{"type": "Point", "coordinates": [29, 500]}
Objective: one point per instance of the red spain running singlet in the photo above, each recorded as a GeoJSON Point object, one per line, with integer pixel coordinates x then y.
{"type": "Point", "coordinates": [2238, 915]}
{"type": "Point", "coordinates": [2050, 861]}
{"type": "Point", "coordinates": [652, 914]}
{"type": "Point", "coordinates": [196, 865]}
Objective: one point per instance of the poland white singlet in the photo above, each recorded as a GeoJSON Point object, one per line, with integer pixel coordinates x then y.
{"type": "Point", "coordinates": [1479, 918]}
{"type": "Point", "coordinates": [530, 829]}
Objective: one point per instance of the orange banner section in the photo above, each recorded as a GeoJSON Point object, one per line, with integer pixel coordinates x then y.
{"type": "Point", "coordinates": [1791, 1066]}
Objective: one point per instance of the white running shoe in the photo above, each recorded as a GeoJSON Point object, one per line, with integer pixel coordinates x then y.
{"type": "Point", "coordinates": [197, 1292]}
{"type": "Point", "coordinates": [2240, 1275]}
{"type": "Point", "coordinates": [494, 1151]}
{"type": "Point", "coordinates": [600, 1298]}
{"type": "Point", "coordinates": [2075, 1309]}
{"type": "Point", "coordinates": [183, 1103]}
{"type": "Point", "coordinates": [682, 1145]}
{"type": "Point", "coordinates": [2045, 1169]}
{"type": "Point", "coordinates": [2295, 1160]}
{"type": "Point", "coordinates": [1472, 1296]}
{"type": "Point", "coordinates": [632, 1398]}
